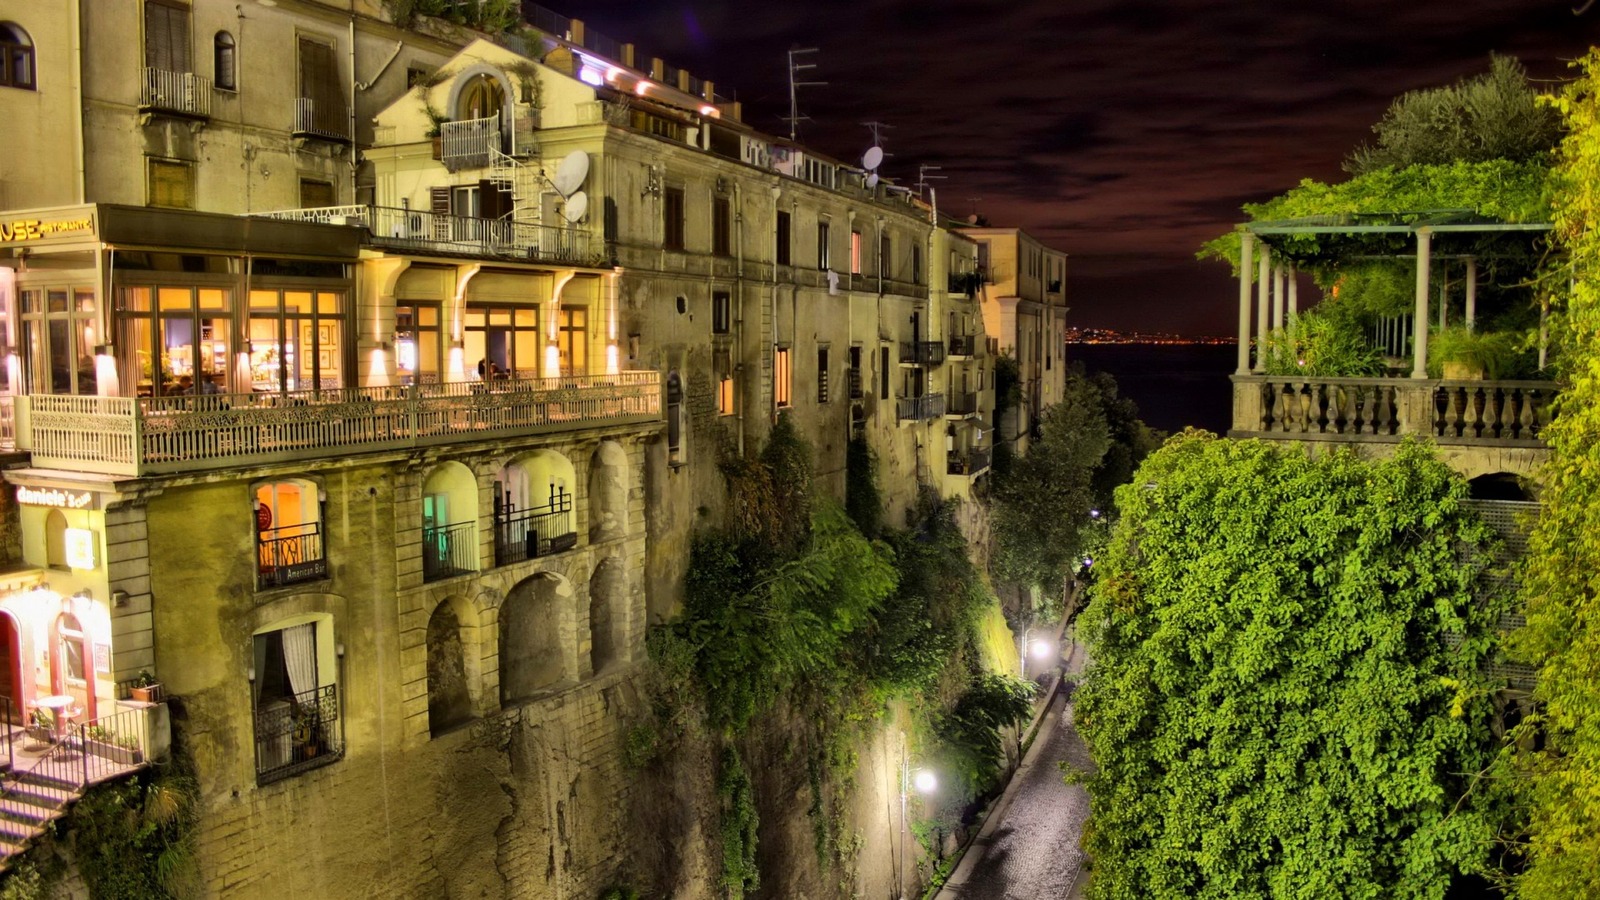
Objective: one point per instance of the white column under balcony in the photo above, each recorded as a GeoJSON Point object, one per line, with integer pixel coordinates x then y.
{"type": "Point", "coordinates": [1472, 293]}
{"type": "Point", "coordinates": [1246, 264]}
{"type": "Point", "coordinates": [1294, 293]}
{"type": "Point", "coordinates": [1280, 296]}
{"type": "Point", "coordinates": [1263, 311]}
{"type": "Point", "coordinates": [1419, 335]}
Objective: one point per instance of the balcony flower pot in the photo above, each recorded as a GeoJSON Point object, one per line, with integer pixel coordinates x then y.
{"type": "Point", "coordinates": [438, 147]}
{"type": "Point", "coordinates": [115, 752]}
{"type": "Point", "coordinates": [145, 689]}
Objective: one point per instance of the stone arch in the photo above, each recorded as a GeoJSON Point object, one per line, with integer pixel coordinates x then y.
{"type": "Point", "coordinates": [537, 637]}
{"type": "Point", "coordinates": [452, 670]}
{"type": "Point", "coordinates": [449, 521]}
{"type": "Point", "coordinates": [609, 603]}
{"type": "Point", "coordinates": [608, 493]}
{"type": "Point", "coordinates": [1500, 486]}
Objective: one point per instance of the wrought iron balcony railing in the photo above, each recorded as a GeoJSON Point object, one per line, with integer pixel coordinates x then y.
{"type": "Point", "coordinates": [449, 550]}
{"type": "Point", "coordinates": [928, 406]}
{"type": "Point", "coordinates": [962, 345]}
{"type": "Point", "coordinates": [298, 733]}
{"type": "Point", "coordinates": [961, 403]}
{"type": "Point", "coordinates": [465, 144]}
{"type": "Point", "coordinates": [290, 554]}
{"type": "Point", "coordinates": [970, 464]}
{"type": "Point", "coordinates": [311, 120]}
{"type": "Point", "coordinates": [184, 93]}
{"type": "Point", "coordinates": [922, 353]}
{"type": "Point", "coordinates": [521, 534]}
{"type": "Point", "coordinates": [426, 232]}
{"type": "Point", "coordinates": [151, 435]}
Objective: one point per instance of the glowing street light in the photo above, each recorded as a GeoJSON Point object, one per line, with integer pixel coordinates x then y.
{"type": "Point", "coordinates": [924, 781]}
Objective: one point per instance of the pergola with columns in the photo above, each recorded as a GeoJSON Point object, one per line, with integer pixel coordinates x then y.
{"type": "Point", "coordinates": [1273, 283]}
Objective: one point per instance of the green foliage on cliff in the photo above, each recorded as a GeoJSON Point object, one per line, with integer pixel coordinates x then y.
{"type": "Point", "coordinates": [1090, 443]}
{"type": "Point", "coordinates": [1560, 584]}
{"type": "Point", "coordinates": [490, 16]}
{"type": "Point", "coordinates": [1286, 698]}
{"type": "Point", "coordinates": [739, 870]}
{"type": "Point", "coordinates": [862, 500]}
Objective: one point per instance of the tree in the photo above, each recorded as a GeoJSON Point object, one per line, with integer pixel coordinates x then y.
{"type": "Point", "coordinates": [1090, 443]}
{"type": "Point", "coordinates": [1496, 115]}
{"type": "Point", "coordinates": [1286, 698]}
{"type": "Point", "coordinates": [1561, 593]}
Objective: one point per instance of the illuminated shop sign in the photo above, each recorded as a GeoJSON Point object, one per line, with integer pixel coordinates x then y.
{"type": "Point", "coordinates": [54, 498]}
{"type": "Point", "coordinates": [80, 546]}
{"type": "Point", "coordinates": [24, 230]}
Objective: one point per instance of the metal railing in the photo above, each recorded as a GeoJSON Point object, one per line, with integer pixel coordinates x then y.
{"type": "Point", "coordinates": [416, 230]}
{"type": "Point", "coordinates": [449, 550]}
{"type": "Point", "coordinates": [322, 122]}
{"type": "Point", "coordinates": [1503, 413]}
{"type": "Point", "coordinates": [962, 345]}
{"type": "Point", "coordinates": [852, 378]}
{"type": "Point", "coordinates": [298, 733]}
{"type": "Point", "coordinates": [521, 534]}
{"type": "Point", "coordinates": [465, 144]}
{"type": "Point", "coordinates": [184, 93]}
{"type": "Point", "coordinates": [973, 462]}
{"type": "Point", "coordinates": [961, 403]}
{"type": "Point", "coordinates": [290, 554]}
{"type": "Point", "coordinates": [922, 353]}
{"type": "Point", "coordinates": [928, 406]}
{"type": "Point", "coordinates": [134, 436]}
{"type": "Point", "coordinates": [966, 283]}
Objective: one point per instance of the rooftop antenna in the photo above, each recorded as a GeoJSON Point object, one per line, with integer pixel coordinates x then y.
{"type": "Point", "coordinates": [923, 177]}
{"type": "Point", "coordinates": [795, 68]}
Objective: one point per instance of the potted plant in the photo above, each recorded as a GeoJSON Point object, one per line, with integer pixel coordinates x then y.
{"type": "Point", "coordinates": [107, 744]}
{"type": "Point", "coordinates": [306, 735]}
{"type": "Point", "coordinates": [145, 689]}
{"type": "Point", "coordinates": [1470, 355]}
{"type": "Point", "coordinates": [40, 730]}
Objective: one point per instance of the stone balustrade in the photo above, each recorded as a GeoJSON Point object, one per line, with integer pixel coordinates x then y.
{"type": "Point", "coordinates": [141, 436]}
{"type": "Point", "coordinates": [1485, 413]}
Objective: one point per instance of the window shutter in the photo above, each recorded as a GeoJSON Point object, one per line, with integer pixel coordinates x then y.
{"type": "Point", "coordinates": [439, 201]}
{"type": "Point", "coordinates": [319, 83]}
{"type": "Point", "coordinates": [166, 37]}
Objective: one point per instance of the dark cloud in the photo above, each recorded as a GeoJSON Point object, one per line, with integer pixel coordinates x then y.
{"type": "Point", "coordinates": [1126, 132]}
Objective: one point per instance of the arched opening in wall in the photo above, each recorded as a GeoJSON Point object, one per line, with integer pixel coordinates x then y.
{"type": "Point", "coordinates": [608, 493]}
{"type": "Point", "coordinates": [55, 539]}
{"type": "Point", "coordinates": [480, 97]}
{"type": "Point", "coordinates": [288, 518]}
{"type": "Point", "coordinates": [535, 615]}
{"type": "Point", "coordinates": [449, 522]}
{"type": "Point", "coordinates": [1499, 486]}
{"type": "Point", "coordinates": [533, 514]}
{"type": "Point", "coordinates": [72, 665]}
{"type": "Point", "coordinates": [16, 57]}
{"type": "Point", "coordinates": [608, 613]}
{"type": "Point", "coordinates": [294, 691]}
{"type": "Point", "coordinates": [449, 690]}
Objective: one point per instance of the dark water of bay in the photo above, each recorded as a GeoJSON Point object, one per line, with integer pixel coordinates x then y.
{"type": "Point", "coordinates": [1175, 385]}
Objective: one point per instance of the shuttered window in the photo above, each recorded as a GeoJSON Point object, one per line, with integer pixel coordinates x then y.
{"type": "Point", "coordinates": [315, 194]}
{"type": "Point", "coordinates": [672, 218]}
{"type": "Point", "coordinates": [166, 36]}
{"type": "Point", "coordinates": [171, 184]}
{"type": "Point", "coordinates": [319, 83]}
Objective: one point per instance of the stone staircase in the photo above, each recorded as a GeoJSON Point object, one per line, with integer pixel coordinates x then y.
{"type": "Point", "coordinates": [29, 802]}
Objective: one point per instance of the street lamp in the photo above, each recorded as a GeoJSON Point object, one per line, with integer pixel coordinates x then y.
{"type": "Point", "coordinates": [925, 782]}
{"type": "Point", "coordinates": [1040, 649]}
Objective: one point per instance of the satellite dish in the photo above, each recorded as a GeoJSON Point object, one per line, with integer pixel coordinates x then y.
{"type": "Point", "coordinates": [571, 172]}
{"type": "Point", "coordinates": [872, 159]}
{"type": "Point", "coordinates": [872, 180]}
{"type": "Point", "coordinates": [577, 205]}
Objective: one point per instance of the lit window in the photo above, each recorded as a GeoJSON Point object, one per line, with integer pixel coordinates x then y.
{"type": "Point", "coordinates": [288, 524]}
{"type": "Point", "coordinates": [781, 374]}
{"type": "Point", "coordinates": [855, 253]}
{"type": "Point", "coordinates": [725, 396]}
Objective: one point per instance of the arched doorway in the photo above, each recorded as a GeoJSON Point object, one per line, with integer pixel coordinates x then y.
{"type": "Point", "coordinates": [608, 613]}
{"type": "Point", "coordinates": [72, 663]}
{"type": "Point", "coordinates": [533, 657]}
{"type": "Point", "coordinates": [449, 694]}
{"type": "Point", "coordinates": [533, 513]}
{"type": "Point", "coordinates": [480, 97]}
{"type": "Point", "coordinates": [608, 493]}
{"type": "Point", "coordinates": [11, 658]}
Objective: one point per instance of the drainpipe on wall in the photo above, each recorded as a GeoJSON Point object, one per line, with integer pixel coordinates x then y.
{"type": "Point", "coordinates": [354, 152]}
{"type": "Point", "coordinates": [81, 176]}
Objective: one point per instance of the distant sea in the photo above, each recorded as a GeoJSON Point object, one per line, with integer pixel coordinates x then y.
{"type": "Point", "coordinates": [1175, 385]}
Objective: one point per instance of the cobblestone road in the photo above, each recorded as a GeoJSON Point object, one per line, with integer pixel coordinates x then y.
{"type": "Point", "coordinates": [1032, 854]}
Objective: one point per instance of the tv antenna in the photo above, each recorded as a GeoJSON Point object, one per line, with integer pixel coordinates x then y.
{"type": "Point", "coordinates": [923, 177]}
{"type": "Point", "coordinates": [795, 68]}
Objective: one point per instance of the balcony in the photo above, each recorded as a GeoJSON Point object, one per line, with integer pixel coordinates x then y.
{"type": "Point", "coordinates": [537, 531]}
{"type": "Point", "coordinates": [290, 555]}
{"type": "Point", "coordinates": [970, 464]}
{"type": "Point", "coordinates": [415, 231]}
{"type": "Point", "coordinates": [962, 346]}
{"type": "Point", "coordinates": [961, 405]}
{"type": "Point", "coordinates": [449, 550]}
{"type": "Point", "coordinates": [146, 436]}
{"type": "Point", "coordinates": [965, 283]}
{"type": "Point", "coordinates": [299, 733]}
{"type": "Point", "coordinates": [467, 144]}
{"type": "Point", "coordinates": [178, 93]}
{"type": "Point", "coordinates": [921, 353]}
{"type": "Point", "coordinates": [1378, 410]}
{"type": "Point", "coordinates": [852, 379]}
{"type": "Point", "coordinates": [322, 123]}
{"type": "Point", "coordinates": [917, 409]}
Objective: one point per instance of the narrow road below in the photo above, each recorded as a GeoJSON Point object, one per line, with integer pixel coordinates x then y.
{"type": "Point", "coordinates": [1032, 852]}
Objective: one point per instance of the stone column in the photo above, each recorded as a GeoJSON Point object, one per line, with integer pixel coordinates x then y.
{"type": "Point", "coordinates": [1263, 278]}
{"type": "Point", "coordinates": [1419, 335]}
{"type": "Point", "coordinates": [1294, 294]}
{"type": "Point", "coordinates": [1246, 251]}
{"type": "Point", "coordinates": [1472, 293]}
{"type": "Point", "coordinates": [1280, 295]}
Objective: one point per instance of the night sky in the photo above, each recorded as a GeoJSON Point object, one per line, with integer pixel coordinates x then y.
{"type": "Point", "coordinates": [1125, 132]}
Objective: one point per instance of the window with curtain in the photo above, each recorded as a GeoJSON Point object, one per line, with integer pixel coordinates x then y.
{"type": "Point", "coordinates": [58, 338]}
{"type": "Point", "coordinates": [418, 343]}
{"type": "Point", "coordinates": [176, 339]}
{"type": "Point", "coordinates": [297, 340]}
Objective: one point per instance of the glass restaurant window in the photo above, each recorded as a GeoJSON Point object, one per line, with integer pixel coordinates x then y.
{"type": "Point", "coordinates": [505, 336]}
{"type": "Point", "coordinates": [296, 340]}
{"type": "Point", "coordinates": [417, 343]}
{"type": "Point", "coordinates": [179, 339]}
{"type": "Point", "coordinates": [58, 339]}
